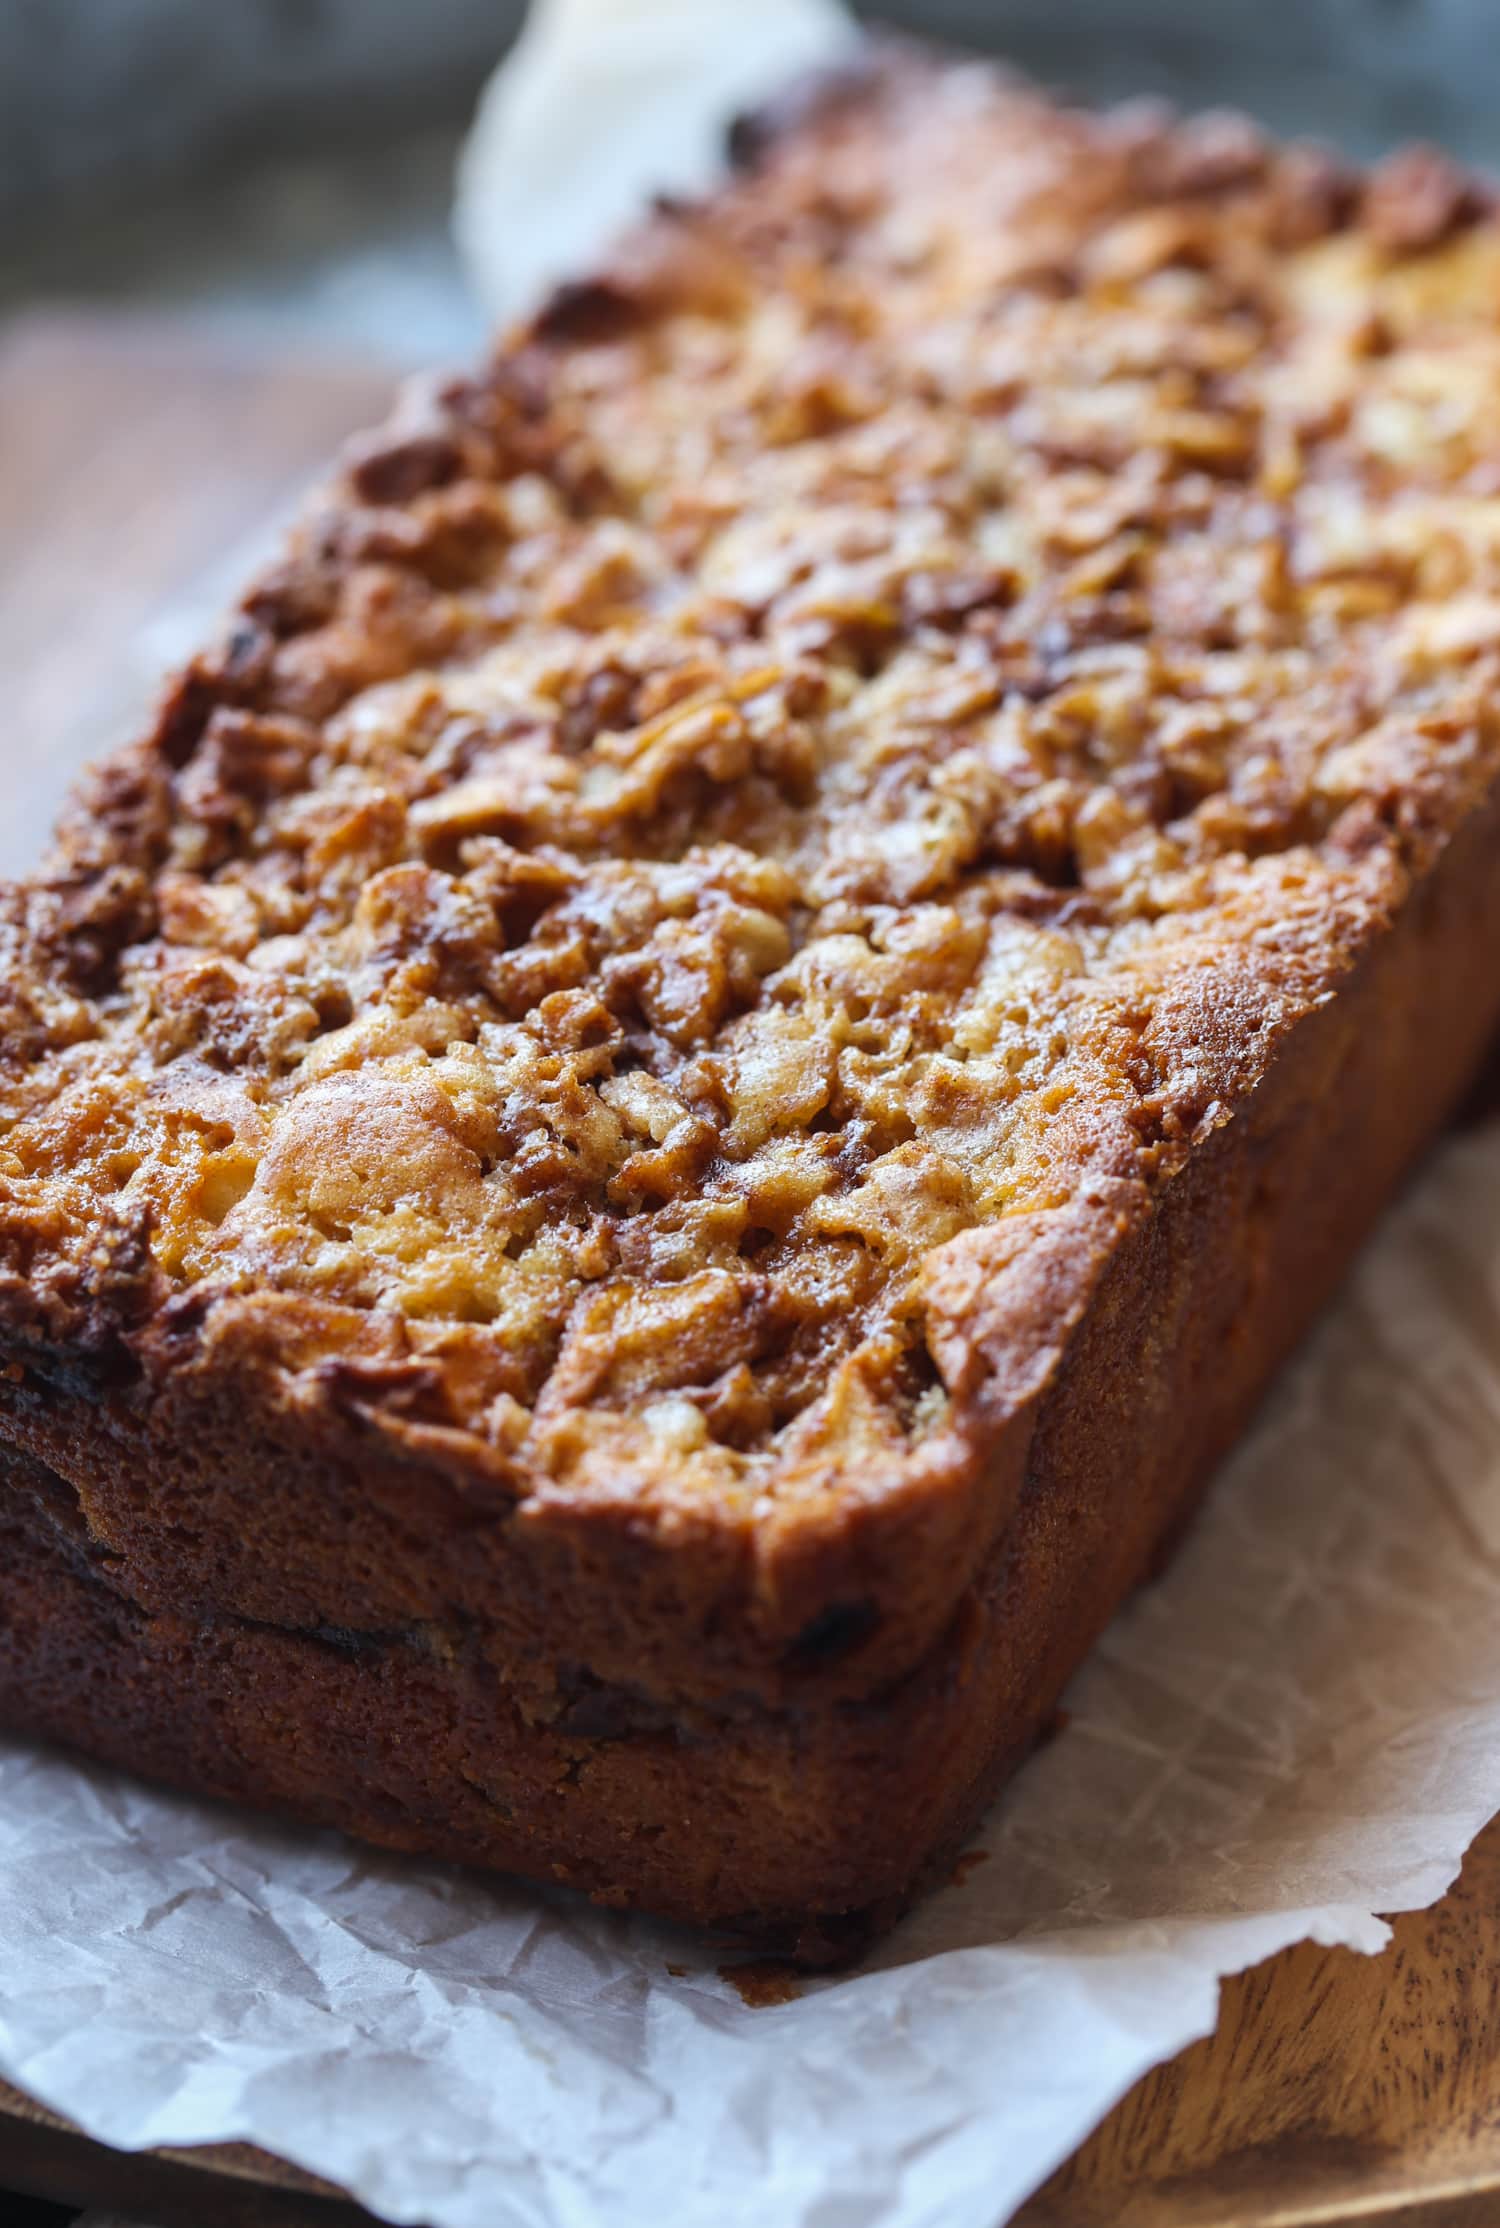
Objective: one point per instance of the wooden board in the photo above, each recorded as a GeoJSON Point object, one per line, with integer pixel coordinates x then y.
{"type": "Point", "coordinates": [1338, 2089]}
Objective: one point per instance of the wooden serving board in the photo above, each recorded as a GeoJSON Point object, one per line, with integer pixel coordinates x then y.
{"type": "Point", "coordinates": [1338, 2089]}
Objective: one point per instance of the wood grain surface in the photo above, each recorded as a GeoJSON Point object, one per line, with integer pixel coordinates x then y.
{"type": "Point", "coordinates": [1337, 2089]}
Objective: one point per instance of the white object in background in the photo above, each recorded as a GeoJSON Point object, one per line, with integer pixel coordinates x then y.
{"type": "Point", "coordinates": [603, 103]}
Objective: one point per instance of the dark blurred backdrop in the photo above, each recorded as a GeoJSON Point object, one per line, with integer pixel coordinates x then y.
{"type": "Point", "coordinates": [317, 136]}
{"type": "Point", "coordinates": [136, 89]}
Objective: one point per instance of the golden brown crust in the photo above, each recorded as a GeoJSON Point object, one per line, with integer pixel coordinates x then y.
{"type": "Point", "coordinates": [595, 1066]}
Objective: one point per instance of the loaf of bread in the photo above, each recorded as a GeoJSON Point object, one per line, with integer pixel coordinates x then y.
{"type": "Point", "coordinates": [650, 1144]}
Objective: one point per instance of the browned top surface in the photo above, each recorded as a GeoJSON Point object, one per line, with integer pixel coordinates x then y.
{"type": "Point", "coordinates": [851, 737]}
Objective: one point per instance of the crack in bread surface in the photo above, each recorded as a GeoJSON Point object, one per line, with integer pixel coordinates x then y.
{"type": "Point", "coordinates": [871, 717]}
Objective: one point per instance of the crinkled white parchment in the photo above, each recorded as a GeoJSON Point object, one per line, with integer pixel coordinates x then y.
{"type": "Point", "coordinates": [1298, 1728]}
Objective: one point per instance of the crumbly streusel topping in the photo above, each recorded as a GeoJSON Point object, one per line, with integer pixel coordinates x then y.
{"type": "Point", "coordinates": [874, 714]}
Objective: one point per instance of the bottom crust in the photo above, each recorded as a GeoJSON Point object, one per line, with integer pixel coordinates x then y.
{"type": "Point", "coordinates": [807, 1829]}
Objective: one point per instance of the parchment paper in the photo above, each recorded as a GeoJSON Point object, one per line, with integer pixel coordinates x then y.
{"type": "Point", "coordinates": [1299, 1728]}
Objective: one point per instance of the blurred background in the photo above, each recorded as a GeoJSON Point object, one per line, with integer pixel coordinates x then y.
{"type": "Point", "coordinates": [285, 166]}
{"type": "Point", "coordinates": [225, 229]}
